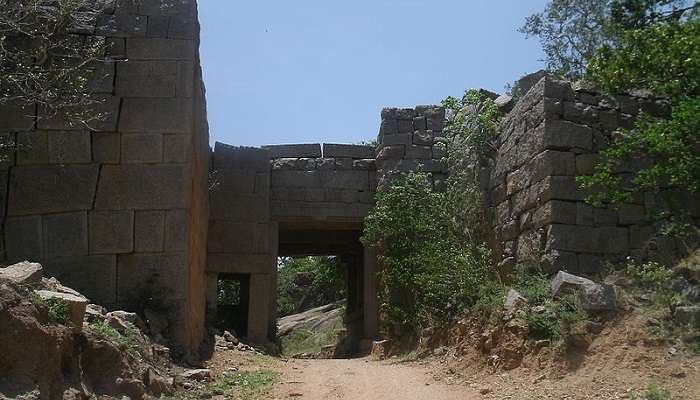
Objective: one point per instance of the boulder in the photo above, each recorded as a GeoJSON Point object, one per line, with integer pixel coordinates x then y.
{"type": "Point", "coordinates": [504, 102]}
{"type": "Point", "coordinates": [687, 315]}
{"type": "Point", "coordinates": [94, 313]}
{"type": "Point", "coordinates": [157, 384]}
{"type": "Point", "coordinates": [598, 297]}
{"type": "Point", "coordinates": [24, 273]}
{"type": "Point", "coordinates": [564, 282]}
{"type": "Point", "coordinates": [514, 299]}
{"type": "Point", "coordinates": [76, 305]}
{"type": "Point", "coordinates": [230, 338]}
{"type": "Point", "coordinates": [201, 374]}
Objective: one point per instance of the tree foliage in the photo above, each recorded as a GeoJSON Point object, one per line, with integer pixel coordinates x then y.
{"type": "Point", "coordinates": [428, 274]}
{"type": "Point", "coordinates": [665, 59]}
{"type": "Point", "coordinates": [308, 282]}
{"type": "Point", "coordinates": [572, 31]}
{"type": "Point", "coordinates": [44, 58]}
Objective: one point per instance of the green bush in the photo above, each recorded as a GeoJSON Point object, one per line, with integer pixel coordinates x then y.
{"type": "Point", "coordinates": [656, 278]}
{"type": "Point", "coordinates": [543, 325]}
{"type": "Point", "coordinates": [58, 309]}
{"type": "Point", "coordinates": [430, 274]}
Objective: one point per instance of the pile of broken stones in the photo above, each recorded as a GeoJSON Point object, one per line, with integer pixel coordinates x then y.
{"type": "Point", "coordinates": [76, 360]}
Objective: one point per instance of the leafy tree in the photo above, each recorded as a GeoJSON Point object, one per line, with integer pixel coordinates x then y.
{"type": "Point", "coordinates": [665, 59]}
{"type": "Point", "coordinates": [50, 59]}
{"type": "Point", "coordinates": [308, 282]}
{"type": "Point", "coordinates": [572, 31]}
{"type": "Point", "coordinates": [428, 274]}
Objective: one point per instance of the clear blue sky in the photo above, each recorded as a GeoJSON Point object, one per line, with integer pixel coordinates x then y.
{"type": "Point", "coordinates": [321, 70]}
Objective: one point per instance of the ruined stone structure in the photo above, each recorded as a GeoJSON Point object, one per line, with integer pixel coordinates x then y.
{"type": "Point", "coordinates": [137, 211]}
{"type": "Point", "coordinates": [554, 134]}
{"type": "Point", "coordinates": [118, 210]}
{"type": "Point", "coordinates": [290, 200]}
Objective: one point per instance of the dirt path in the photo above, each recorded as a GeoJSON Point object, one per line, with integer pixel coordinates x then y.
{"type": "Point", "coordinates": [362, 379]}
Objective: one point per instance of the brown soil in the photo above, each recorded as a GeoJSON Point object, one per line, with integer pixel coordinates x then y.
{"type": "Point", "coordinates": [363, 379]}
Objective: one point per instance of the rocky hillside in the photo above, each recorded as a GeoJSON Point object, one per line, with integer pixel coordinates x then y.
{"type": "Point", "coordinates": [54, 344]}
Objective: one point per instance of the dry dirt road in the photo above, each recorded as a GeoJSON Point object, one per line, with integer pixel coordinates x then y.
{"type": "Point", "coordinates": [362, 379]}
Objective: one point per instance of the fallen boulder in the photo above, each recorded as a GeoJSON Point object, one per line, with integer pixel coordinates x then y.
{"type": "Point", "coordinates": [564, 282]}
{"type": "Point", "coordinates": [76, 305]}
{"type": "Point", "coordinates": [598, 297]}
{"type": "Point", "coordinates": [201, 374]}
{"type": "Point", "coordinates": [514, 299]}
{"type": "Point", "coordinates": [24, 273]}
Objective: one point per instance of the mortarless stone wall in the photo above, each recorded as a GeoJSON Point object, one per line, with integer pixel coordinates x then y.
{"type": "Point", "coordinates": [553, 134]}
{"type": "Point", "coordinates": [117, 210]}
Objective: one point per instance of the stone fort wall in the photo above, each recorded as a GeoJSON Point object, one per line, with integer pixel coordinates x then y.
{"type": "Point", "coordinates": [115, 209]}
{"type": "Point", "coordinates": [553, 134]}
{"type": "Point", "coordinates": [132, 213]}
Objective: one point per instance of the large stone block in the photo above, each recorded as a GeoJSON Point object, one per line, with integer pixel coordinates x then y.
{"type": "Point", "coordinates": [143, 187]}
{"type": "Point", "coordinates": [106, 148]}
{"type": "Point", "coordinates": [241, 263]}
{"type": "Point", "coordinates": [586, 239]}
{"type": "Point", "coordinates": [405, 139]}
{"type": "Point", "coordinates": [159, 115]}
{"type": "Point", "coordinates": [158, 26]}
{"type": "Point", "coordinates": [294, 150]}
{"type": "Point", "coordinates": [121, 25]}
{"type": "Point", "coordinates": [555, 212]}
{"type": "Point", "coordinates": [297, 179]}
{"type": "Point", "coordinates": [100, 115]}
{"type": "Point", "coordinates": [239, 238]}
{"type": "Point", "coordinates": [236, 181]}
{"type": "Point", "coordinates": [140, 274]}
{"type": "Point", "coordinates": [149, 231]}
{"type": "Point", "coordinates": [241, 207]}
{"type": "Point", "coordinates": [183, 28]}
{"type": "Point", "coordinates": [147, 79]}
{"type": "Point", "coordinates": [160, 49]}
{"type": "Point", "coordinates": [32, 148]}
{"type": "Point", "coordinates": [552, 163]}
{"type": "Point", "coordinates": [16, 117]}
{"type": "Point", "coordinates": [232, 157]}
{"type": "Point", "coordinates": [167, 7]}
{"type": "Point", "coordinates": [142, 148]}
{"type": "Point", "coordinates": [358, 180]}
{"type": "Point", "coordinates": [177, 148]}
{"type": "Point", "coordinates": [93, 276]}
{"type": "Point", "coordinates": [49, 189]}
{"type": "Point", "coordinates": [24, 239]}
{"type": "Point", "coordinates": [70, 147]}
{"type": "Point", "coordinates": [176, 230]}
{"type": "Point", "coordinates": [65, 234]}
{"type": "Point", "coordinates": [564, 135]}
{"type": "Point", "coordinates": [557, 187]}
{"type": "Point", "coordinates": [419, 152]}
{"type": "Point", "coordinates": [348, 150]}
{"type": "Point", "coordinates": [111, 232]}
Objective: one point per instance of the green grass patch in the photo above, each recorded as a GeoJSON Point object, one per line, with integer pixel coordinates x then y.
{"type": "Point", "coordinates": [654, 392]}
{"type": "Point", "coordinates": [58, 309]}
{"type": "Point", "coordinates": [127, 340]}
{"type": "Point", "coordinates": [247, 385]}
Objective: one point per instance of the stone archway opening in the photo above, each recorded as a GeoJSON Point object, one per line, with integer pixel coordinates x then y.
{"type": "Point", "coordinates": [344, 244]}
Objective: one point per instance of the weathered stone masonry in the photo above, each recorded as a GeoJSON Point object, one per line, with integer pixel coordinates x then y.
{"type": "Point", "coordinates": [115, 210]}
{"type": "Point", "coordinates": [553, 134]}
{"type": "Point", "coordinates": [132, 213]}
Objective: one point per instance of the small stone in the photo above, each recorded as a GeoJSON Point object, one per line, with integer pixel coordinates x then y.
{"type": "Point", "coordinates": [484, 391]}
{"type": "Point", "coordinates": [202, 374]}
{"type": "Point", "coordinates": [514, 299]}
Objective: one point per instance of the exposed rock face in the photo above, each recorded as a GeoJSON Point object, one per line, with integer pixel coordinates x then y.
{"type": "Point", "coordinates": [44, 359]}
